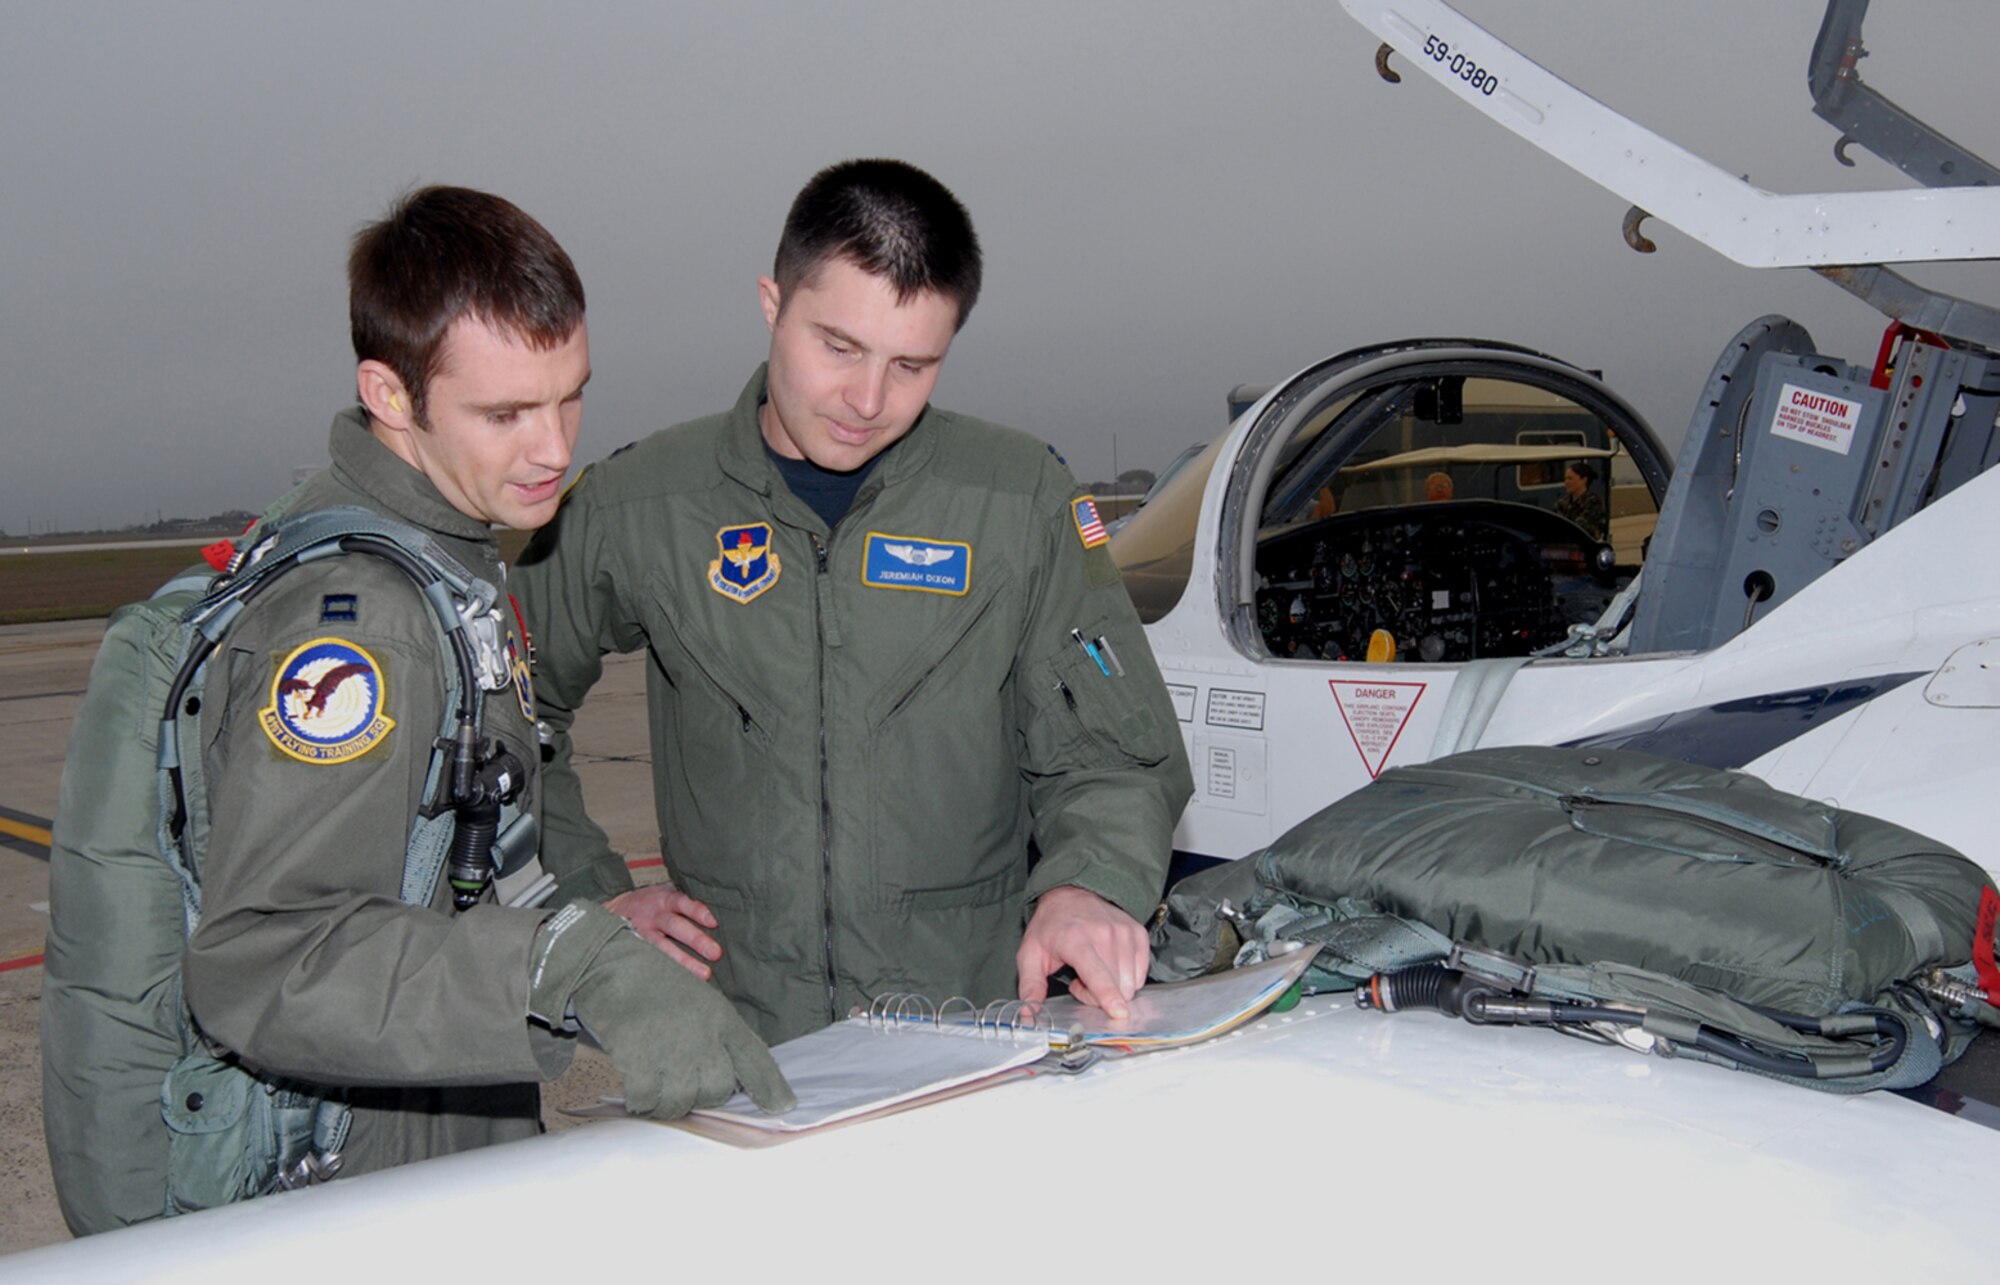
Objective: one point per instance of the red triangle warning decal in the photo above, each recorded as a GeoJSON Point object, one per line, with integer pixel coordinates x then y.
{"type": "Point", "coordinates": [1375, 714]}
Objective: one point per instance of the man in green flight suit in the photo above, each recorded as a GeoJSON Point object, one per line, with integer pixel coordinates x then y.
{"type": "Point", "coordinates": [889, 660]}
{"type": "Point", "coordinates": [307, 967]}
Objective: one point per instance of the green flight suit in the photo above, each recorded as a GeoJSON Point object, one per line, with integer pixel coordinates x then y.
{"type": "Point", "coordinates": [857, 735]}
{"type": "Point", "coordinates": [307, 963]}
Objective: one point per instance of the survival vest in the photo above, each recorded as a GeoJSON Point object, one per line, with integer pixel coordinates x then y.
{"type": "Point", "coordinates": [144, 1118]}
{"type": "Point", "coordinates": [1673, 908]}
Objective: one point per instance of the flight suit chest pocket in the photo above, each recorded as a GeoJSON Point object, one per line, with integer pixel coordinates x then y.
{"type": "Point", "coordinates": [940, 768]}
{"type": "Point", "coordinates": [717, 743]}
{"type": "Point", "coordinates": [946, 656]}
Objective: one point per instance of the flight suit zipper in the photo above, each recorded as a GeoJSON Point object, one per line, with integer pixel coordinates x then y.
{"type": "Point", "coordinates": [822, 601]}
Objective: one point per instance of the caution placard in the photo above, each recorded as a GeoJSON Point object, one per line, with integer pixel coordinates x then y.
{"type": "Point", "coordinates": [1235, 709]}
{"type": "Point", "coordinates": [1375, 714]}
{"type": "Point", "coordinates": [1816, 419]}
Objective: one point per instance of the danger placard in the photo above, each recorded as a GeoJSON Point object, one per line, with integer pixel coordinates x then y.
{"type": "Point", "coordinates": [1816, 419]}
{"type": "Point", "coordinates": [1375, 714]}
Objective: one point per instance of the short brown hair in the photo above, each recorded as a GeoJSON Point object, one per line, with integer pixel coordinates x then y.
{"type": "Point", "coordinates": [891, 220]}
{"type": "Point", "coordinates": [440, 253]}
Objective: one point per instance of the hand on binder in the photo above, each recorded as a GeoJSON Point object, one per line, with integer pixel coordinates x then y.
{"type": "Point", "coordinates": [1106, 947]}
{"type": "Point", "coordinates": [676, 1042]}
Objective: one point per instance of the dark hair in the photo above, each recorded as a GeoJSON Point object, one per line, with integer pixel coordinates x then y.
{"type": "Point", "coordinates": [1583, 470]}
{"type": "Point", "coordinates": [440, 253]}
{"type": "Point", "coordinates": [891, 220]}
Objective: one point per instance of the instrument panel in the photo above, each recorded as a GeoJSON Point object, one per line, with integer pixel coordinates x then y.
{"type": "Point", "coordinates": [1449, 581]}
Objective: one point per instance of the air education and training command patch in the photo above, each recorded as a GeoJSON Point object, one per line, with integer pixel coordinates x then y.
{"type": "Point", "coordinates": [1089, 526]}
{"type": "Point", "coordinates": [326, 703]}
{"type": "Point", "coordinates": [747, 566]}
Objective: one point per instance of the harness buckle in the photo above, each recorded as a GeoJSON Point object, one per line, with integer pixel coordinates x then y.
{"type": "Point", "coordinates": [313, 1167]}
{"type": "Point", "coordinates": [1492, 966]}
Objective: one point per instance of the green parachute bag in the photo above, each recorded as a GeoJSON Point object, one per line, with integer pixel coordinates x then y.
{"type": "Point", "coordinates": [1676, 908]}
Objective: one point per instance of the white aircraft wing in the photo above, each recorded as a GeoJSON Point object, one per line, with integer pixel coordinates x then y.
{"type": "Point", "coordinates": [1322, 1144]}
{"type": "Point", "coordinates": [1735, 218]}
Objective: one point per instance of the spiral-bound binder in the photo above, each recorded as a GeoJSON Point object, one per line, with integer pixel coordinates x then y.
{"type": "Point", "coordinates": [1161, 1016]}
{"type": "Point", "coordinates": [1001, 1019]}
{"type": "Point", "coordinates": [860, 1069]}
{"type": "Point", "coordinates": [905, 1050]}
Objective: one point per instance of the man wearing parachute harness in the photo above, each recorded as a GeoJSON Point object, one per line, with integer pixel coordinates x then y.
{"type": "Point", "coordinates": [283, 985]}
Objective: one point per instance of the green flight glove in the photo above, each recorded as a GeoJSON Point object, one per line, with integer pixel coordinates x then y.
{"type": "Point", "coordinates": [675, 1041]}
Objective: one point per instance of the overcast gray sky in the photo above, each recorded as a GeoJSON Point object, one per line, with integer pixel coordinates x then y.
{"type": "Point", "coordinates": [1173, 197]}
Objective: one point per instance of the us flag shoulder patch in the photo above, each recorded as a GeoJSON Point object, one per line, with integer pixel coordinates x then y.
{"type": "Point", "coordinates": [1089, 526]}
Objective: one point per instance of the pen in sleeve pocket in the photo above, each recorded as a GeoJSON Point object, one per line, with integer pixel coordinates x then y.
{"type": "Point", "coordinates": [1104, 647]}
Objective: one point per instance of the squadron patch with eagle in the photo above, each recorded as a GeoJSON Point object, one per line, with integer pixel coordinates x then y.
{"type": "Point", "coordinates": [748, 566]}
{"type": "Point", "coordinates": [327, 702]}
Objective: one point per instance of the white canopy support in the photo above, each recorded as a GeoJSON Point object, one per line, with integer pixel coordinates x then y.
{"type": "Point", "coordinates": [1754, 227]}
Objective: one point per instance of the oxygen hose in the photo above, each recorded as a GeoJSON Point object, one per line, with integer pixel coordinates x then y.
{"type": "Point", "coordinates": [1455, 994]}
{"type": "Point", "coordinates": [470, 865]}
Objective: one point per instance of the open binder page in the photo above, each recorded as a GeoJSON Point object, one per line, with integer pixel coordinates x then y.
{"type": "Point", "coordinates": [1162, 1015]}
{"type": "Point", "coordinates": [1174, 1013]}
{"type": "Point", "coordinates": [900, 1057]}
{"type": "Point", "coordinates": [852, 1068]}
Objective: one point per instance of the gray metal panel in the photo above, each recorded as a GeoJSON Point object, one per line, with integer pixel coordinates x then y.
{"type": "Point", "coordinates": [1677, 607]}
{"type": "Point", "coordinates": [1813, 432]}
{"type": "Point", "coordinates": [1795, 462]}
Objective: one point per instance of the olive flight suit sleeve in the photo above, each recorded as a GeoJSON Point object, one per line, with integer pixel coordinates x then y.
{"type": "Point", "coordinates": [306, 963]}
{"type": "Point", "coordinates": [567, 581]}
{"type": "Point", "coordinates": [1101, 749]}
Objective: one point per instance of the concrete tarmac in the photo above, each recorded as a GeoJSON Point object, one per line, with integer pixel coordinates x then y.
{"type": "Point", "coordinates": [43, 672]}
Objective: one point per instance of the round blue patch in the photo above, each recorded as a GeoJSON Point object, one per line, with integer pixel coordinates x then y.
{"type": "Point", "coordinates": [327, 699]}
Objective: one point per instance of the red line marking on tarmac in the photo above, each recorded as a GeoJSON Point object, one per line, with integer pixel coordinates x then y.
{"type": "Point", "coordinates": [649, 861]}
